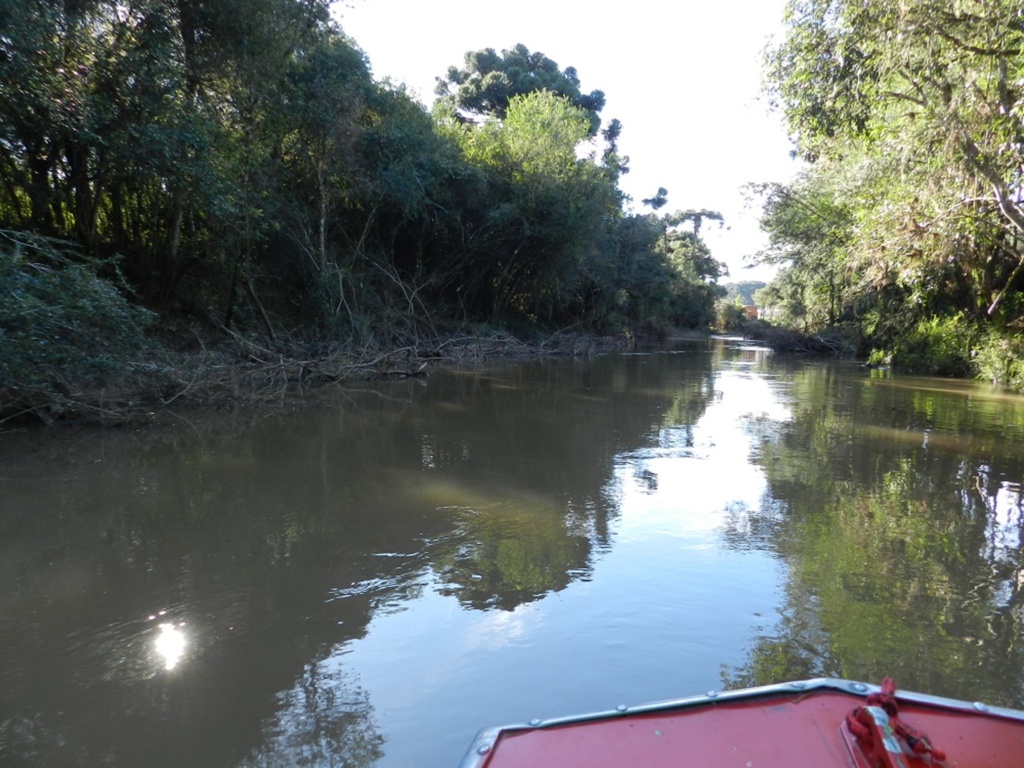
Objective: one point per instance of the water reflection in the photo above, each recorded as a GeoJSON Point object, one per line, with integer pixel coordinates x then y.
{"type": "Point", "coordinates": [502, 556]}
{"type": "Point", "coordinates": [170, 644]}
{"type": "Point", "coordinates": [897, 510]}
{"type": "Point", "coordinates": [369, 578]}
{"type": "Point", "coordinates": [321, 721]}
{"type": "Point", "coordinates": [282, 537]}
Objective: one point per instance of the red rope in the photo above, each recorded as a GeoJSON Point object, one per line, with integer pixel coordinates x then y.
{"type": "Point", "coordinates": [917, 742]}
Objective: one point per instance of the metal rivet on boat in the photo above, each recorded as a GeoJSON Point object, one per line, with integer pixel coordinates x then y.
{"type": "Point", "coordinates": [712, 694]}
{"type": "Point", "coordinates": [483, 749]}
{"type": "Point", "coordinates": [535, 721]}
{"type": "Point", "coordinates": [980, 706]}
{"type": "Point", "coordinates": [621, 708]}
{"type": "Point", "coordinates": [860, 687]}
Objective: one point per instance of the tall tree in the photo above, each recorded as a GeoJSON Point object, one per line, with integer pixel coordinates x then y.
{"type": "Point", "coordinates": [488, 81]}
{"type": "Point", "coordinates": [932, 89]}
{"type": "Point", "coordinates": [547, 206]}
{"type": "Point", "coordinates": [695, 271]}
{"type": "Point", "coordinates": [810, 228]}
{"type": "Point", "coordinates": [913, 109]}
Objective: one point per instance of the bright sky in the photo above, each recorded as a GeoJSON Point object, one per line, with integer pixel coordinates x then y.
{"type": "Point", "coordinates": [682, 77]}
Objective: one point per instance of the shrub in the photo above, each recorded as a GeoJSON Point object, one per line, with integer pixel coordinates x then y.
{"type": "Point", "coordinates": [937, 346]}
{"type": "Point", "coordinates": [63, 327]}
{"type": "Point", "coordinates": [999, 358]}
{"type": "Point", "coordinates": [729, 316]}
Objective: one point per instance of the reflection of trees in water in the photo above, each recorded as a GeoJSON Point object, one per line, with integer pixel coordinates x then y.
{"type": "Point", "coordinates": [502, 558]}
{"type": "Point", "coordinates": [279, 539]}
{"type": "Point", "coordinates": [322, 720]}
{"type": "Point", "coordinates": [900, 518]}
{"type": "Point", "coordinates": [519, 462]}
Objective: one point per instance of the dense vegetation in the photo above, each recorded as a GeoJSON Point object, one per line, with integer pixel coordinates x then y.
{"type": "Point", "coordinates": [243, 172]}
{"type": "Point", "coordinates": [742, 292]}
{"type": "Point", "coordinates": [904, 233]}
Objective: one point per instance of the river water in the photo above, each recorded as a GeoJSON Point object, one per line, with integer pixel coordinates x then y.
{"type": "Point", "coordinates": [368, 577]}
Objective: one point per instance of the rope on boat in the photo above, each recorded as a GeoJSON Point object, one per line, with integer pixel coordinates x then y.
{"type": "Point", "coordinates": [862, 724]}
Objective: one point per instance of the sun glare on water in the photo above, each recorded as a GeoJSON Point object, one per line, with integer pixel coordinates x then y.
{"type": "Point", "coordinates": [170, 644]}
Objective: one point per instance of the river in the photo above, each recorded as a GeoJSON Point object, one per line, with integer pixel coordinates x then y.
{"type": "Point", "coordinates": [369, 575]}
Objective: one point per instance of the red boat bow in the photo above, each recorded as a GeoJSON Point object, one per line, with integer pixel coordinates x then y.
{"type": "Point", "coordinates": [816, 723]}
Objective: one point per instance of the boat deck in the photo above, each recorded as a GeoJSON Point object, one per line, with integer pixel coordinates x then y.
{"type": "Point", "coordinates": [776, 729]}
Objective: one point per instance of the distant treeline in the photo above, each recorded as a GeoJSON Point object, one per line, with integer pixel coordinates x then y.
{"type": "Point", "coordinates": [743, 291]}
{"type": "Point", "coordinates": [238, 166]}
{"type": "Point", "coordinates": [904, 233]}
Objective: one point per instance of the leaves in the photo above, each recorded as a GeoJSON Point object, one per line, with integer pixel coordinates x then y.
{"type": "Point", "coordinates": [489, 81]}
{"type": "Point", "coordinates": [62, 325]}
{"type": "Point", "coordinates": [248, 170]}
{"type": "Point", "coordinates": [910, 207]}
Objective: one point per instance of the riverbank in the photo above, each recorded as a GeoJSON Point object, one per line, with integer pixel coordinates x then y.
{"type": "Point", "coordinates": [203, 369]}
{"type": "Point", "coordinates": [788, 341]}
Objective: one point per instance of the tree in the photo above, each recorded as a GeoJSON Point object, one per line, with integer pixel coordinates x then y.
{"type": "Point", "coordinates": [744, 290]}
{"type": "Point", "coordinates": [658, 200]}
{"type": "Point", "coordinates": [931, 90]}
{"type": "Point", "coordinates": [328, 88]}
{"type": "Point", "coordinates": [616, 164]}
{"type": "Point", "coordinates": [148, 128]}
{"type": "Point", "coordinates": [810, 227]}
{"type": "Point", "coordinates": [910, 112]}
{"type": "Point", "coordinates": [546, 206]}
{"type": "Point", "coordinates": [248, 172]}
{"type": "Point", "coordinates": [488, 81]}
{"type": "Point", "coordinates": [695, 271]}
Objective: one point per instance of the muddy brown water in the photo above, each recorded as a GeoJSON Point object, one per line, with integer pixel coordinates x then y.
{"type": "Point", "coordinates": [370, 575]}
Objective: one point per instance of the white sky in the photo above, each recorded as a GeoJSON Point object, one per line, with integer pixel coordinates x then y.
{"type": "Point", "coordinates": [683, 77]}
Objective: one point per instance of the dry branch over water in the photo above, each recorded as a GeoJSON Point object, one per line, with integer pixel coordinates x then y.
{"type": "Point", "coordinates": [789, 341]}
{"type": "Point", "coordinates": [240, 369]}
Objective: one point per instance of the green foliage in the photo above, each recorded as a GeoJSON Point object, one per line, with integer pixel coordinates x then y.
{"type": "Point", "coordinates": [822, 74]}
{"type": "Point", "coordinates": [744, 290]}
{"type": "Point", "coordinates": [809, 224]}
{"type": "Point", "coordinates": [656, 272]}
{"type": "Point", "coordinates": [909, 211]}
{"type": "Point", "coordinates": [488, 82]}
{"type": "Point", "coordinates": [536, 138]}
{"type": "Point", "coordinates": [248, 172]}
{"type": "Point", "coordinates": [62, 325]}
{"type": "Point", "coordinates": [628, 280]}
{"type": "Point", "coordinates": [546, 212]}
{"type": "Point", "coordinates": [999, 357]}
{"type": "Point", "coordinates": [658, 200]}
{"type": "Point", "coordinates": [729, 316]}
{"type": "Point", "coordinates": [939, 346]}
